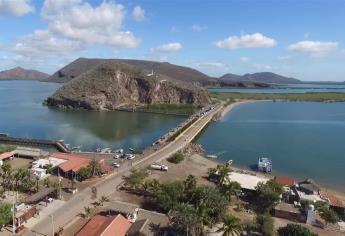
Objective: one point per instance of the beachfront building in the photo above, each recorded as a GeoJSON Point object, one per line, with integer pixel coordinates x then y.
{"type": "Point", "coordinates": [39, 167]}
{"type": "Point", "coordinates": [73, 163]}
{"type": "Point", "coordinates": [6, 156]}
{"type": "Point", "coordinates": [247, 181]}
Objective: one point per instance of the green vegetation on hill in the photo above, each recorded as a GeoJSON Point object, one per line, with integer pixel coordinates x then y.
{"type": "Point", "coordinates": [314, 97]}
{"type": "Point", "coordinates": [176, 109]}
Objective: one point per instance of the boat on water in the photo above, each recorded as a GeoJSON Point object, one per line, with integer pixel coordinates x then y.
{"type": "Point", "coordinates": [131, 149]}
{"type": "Point", "coordinates": [265, 164]}
{"type": "Point", "coordinates": [229, 162]}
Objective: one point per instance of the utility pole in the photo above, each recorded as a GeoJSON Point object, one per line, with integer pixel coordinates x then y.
{"type": "Point", "coordinates": [14, 214]}
{"type": "Point", "coordinates": [51, 216]}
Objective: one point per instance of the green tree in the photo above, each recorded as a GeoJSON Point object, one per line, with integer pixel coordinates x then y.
{"type": "Point", "coordinates": [329, 215]}
{"type": "Point", "coordinates": [176, 158]}
{"type": "Point", "coordinates": [5, 213]}
{"type": "Point", "coordinates": [232, 226]}
{"type": "Point", "coordinates": [229, 189]}
{"type": "Point", "coordinates": [85, 173]}
{"type": "Point", "coordinates": [103, 200]}
{"type": "Point", "coordinates": [171, 194]}
{"type": "Point", "coordinates": [295, 230]}
{"type": "Point", "coordinates": [136, 178]}
{"type": "Point", "coordinates": [187, 221]}
{"type": "Point", "coordinates": [87, 212]}
{"type": "Point", "coordinates": [223, 173]}
{"type": "Point", "coordinates": [265, 224]}
{"type": "Point", "coordinates": [6, 173]}
{"type": "Point", "coordinates": [95, 168]}
{"type": "Point", "coordinates": [190, 182]}
{"type": "Point", "coordinates": [267, 195]}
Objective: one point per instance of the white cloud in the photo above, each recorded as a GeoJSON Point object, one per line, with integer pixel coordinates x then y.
{"type": "Point", "coordinates": [256, 40]}
{"type": "Point", "coordinates": [169, 47]}
{"type": "Point", "coordinates": [198, 28]}
{"type": "Point", "coordinates": [138, 13]}
{"type": "Point", "coordinates": [80, 21]}
{"type": "Point", "coordinates": [314, 48]}
{"type": "Point", "coordinates": [43, 44]}
{"type": "Point", "coordinates": [244, 59]}
{"type": "Point", "coordinates": [213, 65]}
{"type": "Point", "coordinates": [16, 7]}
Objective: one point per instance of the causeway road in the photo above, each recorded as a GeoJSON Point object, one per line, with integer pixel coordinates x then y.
{"type": "Point", "coordinates": [72, 208]}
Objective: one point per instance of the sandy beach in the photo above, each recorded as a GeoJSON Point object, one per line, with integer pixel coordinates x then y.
{"type": "Point", "coordinates": [231, 106]}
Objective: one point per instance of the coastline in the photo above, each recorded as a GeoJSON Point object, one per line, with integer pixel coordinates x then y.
{"type": "Point", "coordinates": [232, 105]}
{"type": "Point", "coordinates": [227, 109]}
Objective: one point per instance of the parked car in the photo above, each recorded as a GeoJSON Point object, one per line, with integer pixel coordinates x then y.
{"type": "Point", "coordinates": [116, 165]}
{"type": "Point", "coordinates": [130, 156]}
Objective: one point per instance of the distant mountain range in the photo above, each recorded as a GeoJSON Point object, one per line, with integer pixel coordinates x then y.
{"type": "Point", "coordinates": [19, 73]}
{"type": "Point", "coordinates": [161, 70]}
{"type": "Point", "coordinates": [261, 77]}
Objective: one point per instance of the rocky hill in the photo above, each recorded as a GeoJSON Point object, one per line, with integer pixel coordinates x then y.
{"type": "Point", "coordinates": [261, 77]}
{"type": "Point", "coordinates": [19, 73]}
{"type": "Point", "coordinates": [112, 85]}
{"type": "Point", "coordinates": [163, 70]}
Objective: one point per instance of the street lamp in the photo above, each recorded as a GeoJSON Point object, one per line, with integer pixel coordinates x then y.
{"type": "Point", "coordinates": [52, 217]}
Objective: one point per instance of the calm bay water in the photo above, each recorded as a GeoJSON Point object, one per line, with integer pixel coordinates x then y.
{"type": "Point", "coordinates": [23, 115]}
{"type": "Point", "coordinates": [287, 88]}
{"type": "Point", "coordinates": [303, 139]}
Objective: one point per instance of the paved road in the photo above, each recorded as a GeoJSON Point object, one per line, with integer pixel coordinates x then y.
{"type": "Point", "coordinates": [106, 187]}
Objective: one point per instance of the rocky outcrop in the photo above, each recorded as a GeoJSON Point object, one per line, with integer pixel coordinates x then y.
{"type": "Point", "coordinates": [114, 85]}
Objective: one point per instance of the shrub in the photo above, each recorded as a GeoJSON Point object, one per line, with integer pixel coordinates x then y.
{"type": "Point", "coordinates": [176, 158]}
{"type": "Point", "coordinates": [295, 230]}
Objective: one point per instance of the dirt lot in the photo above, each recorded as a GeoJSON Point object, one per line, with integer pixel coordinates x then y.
{"type": "Point", "coordinates": [19, 162]}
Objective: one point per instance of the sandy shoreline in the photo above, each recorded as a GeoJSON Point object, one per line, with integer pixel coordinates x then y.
{"type": "Point", "coordinates": [231, 106]}
{"type": "Point", "coordinates": [228, 109]}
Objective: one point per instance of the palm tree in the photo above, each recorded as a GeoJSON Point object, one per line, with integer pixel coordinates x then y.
{"type": "Point", "coordinates": [232, 226]}
{"type": "Point", "coordinates": [229, 189]}
{"type": "Point", "coordinates": [103, 200]}
{"type": "Point", "coordinates": [223, 172]}
{"type": "Point", "coordinates": [190, 182]}
{"type": "Point", "coordinates": [87, 211]}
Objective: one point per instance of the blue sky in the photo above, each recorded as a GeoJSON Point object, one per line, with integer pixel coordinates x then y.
{"type": "Point", "coordinates": [302, 39]}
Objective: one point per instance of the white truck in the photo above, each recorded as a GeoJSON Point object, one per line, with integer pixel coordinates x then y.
{"type": "Point", "coordinates": [156, 166]}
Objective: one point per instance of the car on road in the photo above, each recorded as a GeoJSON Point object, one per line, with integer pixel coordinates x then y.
{"type": "Point", "coordinates": [156, 166]}
{"type": "Point", "coordinates": [130, 156]}
{"type": "Point", "coordinates": [116, 165]}
{"type": "Point", "coordinates": [117, 156]}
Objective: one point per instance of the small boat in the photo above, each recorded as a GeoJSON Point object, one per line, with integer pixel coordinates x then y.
{"type": "Point", "coordinates": [212, 156]}
{"type": "Point", "coordinates": [131, 149]}
{"type": "Point", "coordinates": [229, 162]}
{"type": "Point", "coordinates": [76, 148]}
{"type": "Point", "coordinates": [98, 150]}
{"type": "Point", "coordinates": [265, 164]}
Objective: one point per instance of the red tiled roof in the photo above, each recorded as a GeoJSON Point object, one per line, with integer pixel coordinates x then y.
{"type": "Point", "coordinates": [105, 226]}
{"type": "Point", "coordinates": [73, 163]}
{"type": "Point", "coordinates": [333, 200]}
{"type": "Point", "coordinates": [6, 155]}
{"type": "Point", "coordinates": [285, 181]}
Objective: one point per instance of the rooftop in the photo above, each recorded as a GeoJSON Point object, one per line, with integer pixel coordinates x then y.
{"type": "Point", "coordinates": [105, 226]}
{"type": "Point", "coordinates": [73, 162]}
{"type": "Point", "coordinates": [282, 206]}
{"type": "Point", "coordinates": [285, 181]}
{"type": "Point", "coordinates": [332, 200]}
{"type": "Point", "coordinates": [247, 181]}
{"type": "Point", "coordinates": [7, 155]}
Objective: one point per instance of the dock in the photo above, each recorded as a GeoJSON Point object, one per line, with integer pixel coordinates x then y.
{"type": "Point", "coordinates": [59, 145]}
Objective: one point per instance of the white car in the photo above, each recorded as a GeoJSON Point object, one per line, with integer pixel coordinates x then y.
{"type": "Point", "coordinates": [130, 156]}
{"type": "Point", "coordinates": [117, 156]}
{"type": "Point", "coordinates": [116, 165]}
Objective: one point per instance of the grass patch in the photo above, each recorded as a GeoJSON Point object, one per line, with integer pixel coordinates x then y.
{"type": "Point", "coordinates": [7, 148]}
{"type": "Point", "coordinates": [176, 158]}
{"type": "Point", "coordinates": [313, 97]}
{"type": "Point", "coordinates": [178, 109]}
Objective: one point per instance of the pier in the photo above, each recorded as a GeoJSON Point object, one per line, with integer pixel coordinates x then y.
{"type": "Point", "coordinates": [59, 145]}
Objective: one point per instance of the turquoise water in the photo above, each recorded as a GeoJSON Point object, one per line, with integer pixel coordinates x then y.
{"type": "Point", "coordinates": [303, 139]}
{"type": "Point", "coordinates": [287, 88]}
{"type": "Point", "coordinates": [23, 115]}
